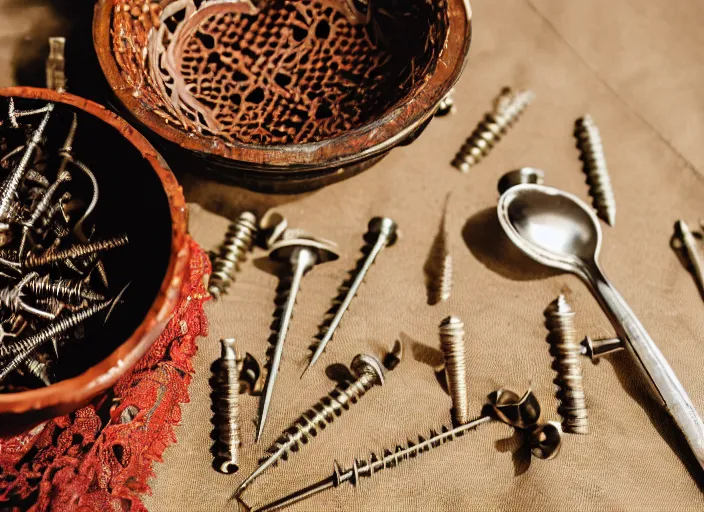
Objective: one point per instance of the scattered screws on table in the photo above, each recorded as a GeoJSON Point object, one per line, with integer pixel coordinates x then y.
{"type": "Point", "coordinates": [369, 372]}
{"type": "Point", "coordinates": [381, 233]}
{"type": "Point", "coordinates": [545, 439]}
{"type": "Point", "coordinates": [596, 349]}
{"type": "Point", "coordinates": [508, 108]}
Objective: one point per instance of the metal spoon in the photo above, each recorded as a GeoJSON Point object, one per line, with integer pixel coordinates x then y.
{"type": "Point", "coordinates": [559, 230]}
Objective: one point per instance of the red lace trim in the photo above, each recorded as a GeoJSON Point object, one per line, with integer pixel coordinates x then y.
{"type": "Point", "coordinates": [100, 457]}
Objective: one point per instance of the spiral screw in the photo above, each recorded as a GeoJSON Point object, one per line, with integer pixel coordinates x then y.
{"type": "Point", "coordinates": [238, 242]}
{"type": "Point", "coordinates": [369, 372]}
{"type": "Point", "coordinates": [76, 251]}
{"type": "Point", "coordinates": [567, 350]}
{"type": "Point", "coordinates": [73, 292]}
{"type": "Point", "coordinates": [452, 345]}
{"type": "Point", "coordinates": [508, 107]}
{"type": "Point", "coordinates": [227, 408]}
{"type": "Point", "coordinates": [381, 233]}
{"type": "Point", "coordinates": [592, 156]}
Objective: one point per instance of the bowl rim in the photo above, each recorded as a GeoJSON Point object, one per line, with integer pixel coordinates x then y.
{"type": "Point", "coordinates": [358, 144]}
{"type": "Point", "coordinates": [82, 388]}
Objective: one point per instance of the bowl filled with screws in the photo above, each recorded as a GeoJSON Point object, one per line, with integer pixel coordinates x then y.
{"type": "Point", "coordinates": [281, 95]}
{"type": "Point", "coordinates": [93, 252]}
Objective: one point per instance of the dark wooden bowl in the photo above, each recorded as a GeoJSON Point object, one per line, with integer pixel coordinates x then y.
{"type": "Point", "coordinates": [139, 195]}
{"type": "Point", "coordinates": [295, 166]}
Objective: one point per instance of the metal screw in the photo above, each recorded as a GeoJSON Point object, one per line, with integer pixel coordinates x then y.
{"type": "Point", "coordinates": [452, 345]}
{"type": "Point", "coordinates": [446, 105]}
{"type": "Point", "coordinates": [519, 177]}
{"type": "Point", "coordinates": [38, 369]}
{"type": "Point", "coordinates": [369, 372]}
{"type": "Point", "coordinates": [12, 182]}
{"type": "Point", "coordinates": [76, 251]}
{"type": "Point", "coordinates": [592, 155]}
{"type": "Point", "coordinates": [73, 292]}
{"type": "Point", "coordinates": [302, 254]}
{"type": "Point", "coordinates": [227, 409]}
{"type": "Point", "coordinates": [508, 107]}
{"type": "Point", "coordinates": [238, 242]}
{"type": "Point", "coordinates": [560, 322]}
{"type": "Point", "coordinates": [55, 65]}
{"type": "Point", "coordinates": [381, 233]}
{"type": "Point", "coordinates": [596, 349]}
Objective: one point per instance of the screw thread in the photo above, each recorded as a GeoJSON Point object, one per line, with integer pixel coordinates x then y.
{"type": "Point", "coordinates": [73, 292]}
{"type": "Point", "coordinates": [453, 348]}
{"type": "Point", "coordinates": [38, 370]}
{"type": "Point", "coordinates": [227, 408]}
{"type": "Point", "coordinates": [567, 350]}
{"type": "Point", "coordinates": [509, 107]}
{"type": "Point", "coordinates": [445, 282]}
{"type": "Point", "coordinates": [77, 251]}
{"type": "Point", "coordinates": [238, 242]}
{"type": "Point", "coordinates": [21, 349]}
{"type": "Point", "coordinates": [592, 155]}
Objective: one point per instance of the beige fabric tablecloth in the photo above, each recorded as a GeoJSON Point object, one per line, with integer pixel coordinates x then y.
{"type": "Point", "coordinates": [636, 66]}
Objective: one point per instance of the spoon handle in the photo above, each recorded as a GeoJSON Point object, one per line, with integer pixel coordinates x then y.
{"type": "Point", "coordinates": [652, 362]}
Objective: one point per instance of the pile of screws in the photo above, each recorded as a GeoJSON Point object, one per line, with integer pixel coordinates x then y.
{"type": "Point", "coordinates": [51, 277]}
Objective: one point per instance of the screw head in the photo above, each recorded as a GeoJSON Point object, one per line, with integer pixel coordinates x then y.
{"type": "Point", "coordinates": [323, 250]}
{"type": "Point", "coordinates": [363, 363]}
{"type": "Point", "coordinates": [521, 177]}
{"type": "Point", "coordinates": [382, 226]}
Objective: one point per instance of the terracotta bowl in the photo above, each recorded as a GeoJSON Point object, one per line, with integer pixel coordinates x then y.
{"type": "Point", "coordinates": [288, 95]}
{"type": "Point", "coordinates": [138, 195]}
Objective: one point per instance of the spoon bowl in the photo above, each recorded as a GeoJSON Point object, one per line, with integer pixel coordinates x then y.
{"type": "Point", "coordinates": [552, 227]}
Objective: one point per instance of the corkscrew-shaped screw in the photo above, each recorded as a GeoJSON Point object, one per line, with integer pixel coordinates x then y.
{"type": "Point", "coordinates": [227, 409]}
{"type": "Point", "coordinates": [238, 242]}
{"type": "Point", "coordinates": [302, 254]}
{"type": "Point", "coordinates": [452, 345]}
{"type": "Point", "coordinates": [11, 298]}
{"type": "Point", "coordinates": [73, 292]}
{"type": "Point", "coordinates": [592, 155]}
{"type": "Point", "coordinates": [76, 251]}
{"type": "Point", "coordinates": [369, 372]}
{"type": "Point", "coordinates": [508, 107]}
{"type": "Point", "coordinates": [381, 233]}
{"type": "Point", "coordinates": [544, 440]}
{"type": "Point", "coordinates": [567, 351]}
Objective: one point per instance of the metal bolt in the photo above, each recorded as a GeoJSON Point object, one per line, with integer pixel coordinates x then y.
{"type": "Point", "coordinates": [302, 254]}
{"type": "Point", "coordinates": [452, 345]}
{"type": "Point", "coordinates": [520, 177]}
{"type": "Point", "coordinates": [592, 155]}
{"type": "Point", "coordinates": [76, 251]}
{"type": "Point", "coordinates": [238, 242]}
{"type": "Point", "coordinates": [508, 107]}
{"type": "Point", "coordinates": [560, 322]}
{"type": "Point", "coordinates": [369, 372]}
{"type": "Point", "coordinates": [227, 409]}
{"type": "Point", "coordinates": [381, 233]}
{"type": "Point", "coordinates": [596, 349]}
